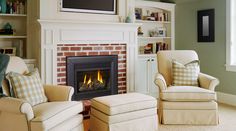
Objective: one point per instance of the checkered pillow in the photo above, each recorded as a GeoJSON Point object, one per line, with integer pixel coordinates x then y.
{"type": "Point", "coordinates": [27, 87]}
{"type": "Point", "coordinates": [185, 75]}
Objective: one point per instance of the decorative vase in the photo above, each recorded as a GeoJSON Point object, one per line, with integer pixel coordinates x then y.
{"type": "Point", "coordinates": [3, 4]}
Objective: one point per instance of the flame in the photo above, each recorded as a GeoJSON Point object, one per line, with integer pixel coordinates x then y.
{"type": "Point", "coordinates": [89, 81]}
{"type": "Point", "coordinates": [85, 77]}
{"type": "Point", "coordinates": [100, 77]}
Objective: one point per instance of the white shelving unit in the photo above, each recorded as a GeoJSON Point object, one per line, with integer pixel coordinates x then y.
{"type": "Point", "coordinates": [19, 24]}
{"type": "Point", "coordinates": [146, 64]}
{"type": "Point", "coordinates": [14, 15]}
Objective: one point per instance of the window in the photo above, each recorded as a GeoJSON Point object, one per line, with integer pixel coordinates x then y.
{"type": "Point", "coordinates": [231, 35]}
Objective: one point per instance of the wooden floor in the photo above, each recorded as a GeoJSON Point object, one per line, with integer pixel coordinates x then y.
{"type": "Point", "coordinates": [86, 124]}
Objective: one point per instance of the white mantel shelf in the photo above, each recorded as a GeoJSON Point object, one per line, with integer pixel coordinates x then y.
{"type": "Point", "coordinates": [54, 32]}
{"type": "Point", "coordinates": [90, 23]}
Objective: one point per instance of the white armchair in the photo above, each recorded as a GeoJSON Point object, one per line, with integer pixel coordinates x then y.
{"type": "Point", "coordinates": [185, 104]}
{"type": "Point", "coordinates": [58, 114]}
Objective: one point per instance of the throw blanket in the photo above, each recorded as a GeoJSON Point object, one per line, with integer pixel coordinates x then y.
{"type": "Point", "coordinates": [4, 59]}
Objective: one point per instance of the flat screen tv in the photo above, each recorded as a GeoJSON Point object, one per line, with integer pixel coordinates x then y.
{"type": "Point", "coordinates": [89, 6]}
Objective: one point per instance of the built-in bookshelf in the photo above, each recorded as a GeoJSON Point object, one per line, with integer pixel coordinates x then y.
{"type": "Point", "coordinates": [13, 25]}
{"type": "Point", "coordinates": [157, 30]}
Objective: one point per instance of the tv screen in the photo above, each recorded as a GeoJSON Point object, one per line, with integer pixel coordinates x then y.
{"type": "Point", "coordinates": [89, 6]}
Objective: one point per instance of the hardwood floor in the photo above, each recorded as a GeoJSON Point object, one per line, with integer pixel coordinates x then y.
{"type": "Point", "coordinates": [86, 124]}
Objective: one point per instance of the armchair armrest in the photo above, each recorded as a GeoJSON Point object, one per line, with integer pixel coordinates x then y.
{"type": "Point", "coordinates": [160, 82]}
{"type": "Point", "coordinates": [58, 92]}
{"type": "Point", "coordinates": [207, 81]}
{"type": "Point", "coordinates": [16, 106]}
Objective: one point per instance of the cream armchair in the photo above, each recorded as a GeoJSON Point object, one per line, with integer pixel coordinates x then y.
{"type": "Point", "coordinates": [58, 114]}
{"type": "Point", "coordinates": [185, 104]}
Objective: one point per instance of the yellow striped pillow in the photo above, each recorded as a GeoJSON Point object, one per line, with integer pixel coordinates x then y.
{"type": "Point", "coordinates": [27, 87]}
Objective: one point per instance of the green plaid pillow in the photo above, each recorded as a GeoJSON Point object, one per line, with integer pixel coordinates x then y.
{"type": "Point", "coordinates": [27, 87]}
{"type": "Point", "coordinates": [185, 75]}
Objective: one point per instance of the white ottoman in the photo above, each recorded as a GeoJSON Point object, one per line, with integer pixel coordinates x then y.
{"type": "Point", "coordinates": [124, 112]}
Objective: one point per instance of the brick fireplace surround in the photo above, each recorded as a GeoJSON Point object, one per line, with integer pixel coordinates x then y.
{"type": "Point", "coordinates": [61, 38]}
{"type": "Point", "coordinates": [64, 50]}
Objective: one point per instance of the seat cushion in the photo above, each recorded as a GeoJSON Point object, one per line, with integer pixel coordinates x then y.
{"type": "Point", "coordinates": [187, 93]}
{"type": "Point", "coordinates": [124, 116]}
{"type": "Point", "coordinates": [50, 114]}
{"type": "Point", "coordinates": [116, 104]}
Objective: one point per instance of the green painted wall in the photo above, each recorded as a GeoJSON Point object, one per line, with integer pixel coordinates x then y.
{"type": "Point", "coordinates": [212, 55]}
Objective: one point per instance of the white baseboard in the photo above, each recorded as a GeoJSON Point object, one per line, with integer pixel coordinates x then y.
{"type": "Point", "coordinates": [226, 98]}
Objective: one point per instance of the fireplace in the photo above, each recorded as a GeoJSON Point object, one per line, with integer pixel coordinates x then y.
{"type": "Point", "coordinates": [92, 76]}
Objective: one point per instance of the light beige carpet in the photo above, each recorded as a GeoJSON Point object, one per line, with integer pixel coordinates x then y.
{"type": "Point", "coordinates": [227, 122]}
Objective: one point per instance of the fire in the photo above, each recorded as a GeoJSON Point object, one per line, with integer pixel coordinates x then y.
{"type": "Point", "coordinates": [100, 77]}
{"type": "Point", "coordinates": [89, 81]}
{"type": "Point", "coordinates": [85, 77]}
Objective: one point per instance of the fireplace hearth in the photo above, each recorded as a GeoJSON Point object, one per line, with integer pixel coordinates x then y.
{"type": "Point", "coordinates": [92, 76]}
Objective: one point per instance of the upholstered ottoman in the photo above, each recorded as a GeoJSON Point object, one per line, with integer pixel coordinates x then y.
{"type": "Point", "coordinates": [124, 112]}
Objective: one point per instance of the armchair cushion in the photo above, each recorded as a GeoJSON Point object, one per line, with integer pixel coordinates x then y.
{"type": "Point", "coordinates": [185, 75]}
{"type": "Point", "coordinates": [187, 93]}
{"type": "Point", "coordinates": [27, 87]}
{"type": "Point", "coordinates": [48, 115]}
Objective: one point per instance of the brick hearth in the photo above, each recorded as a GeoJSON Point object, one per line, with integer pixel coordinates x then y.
{"type": "Point", "coordinates": [64, 50]}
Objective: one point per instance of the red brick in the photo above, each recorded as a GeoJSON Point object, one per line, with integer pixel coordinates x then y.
{"type": "Point", "coordinates": [114, 52]}
{"type": "Point", "coordinates": [61, 64]}
{"type": "Point", "coordinates": [105, 44]}
{"type": "Point", "coordinates": [65, 48]}
{"type": "Point", "coordinates": [104, 53]}
{"type": "Point", "coordinates": [122, 70]}
{"type": "Point", "coordinates": [97, 48]}
{"type": "Point", "coordinates": [87, 48]}
{"type": "Point", "coordinates": [121, 79]}
{"type": "Point", "coordinates": [63, 79]}
{"type": "Point", "coordinates": [82, 44]}
{"type": "Point", "coordinates": [58, 80]}
{"type": "Point", "coordinates": [93, 53]}
{"type": "Point", "coordinates": [58, 70]}
{"type": "Point", "coordinates": [61, 74]}
{"type": "Point", "coordinates": [63, 69]}
{"type": "Point", "coordinates": [63, 59]}
{"type": "Point", "coordinates": [69, 45]}
{"type": "Point", "coordinates": [69, 53]}
{"type": "Point", "coordinates": [109, 48]}
{"type": "Point", "coordinates": [93, 44]}
{"type": "Point", "coordinates": [81, 54]}
{"type": "Point", "coordinates": [59, 54]}
{"type": "Point", "coordinates": [123, 52]}
{"type": "Point", "coordinates": [118, 48]}
{"type": "Point", "coordinates": [121, 61]}
{"type": "Point", "coordinates": [75, 48]}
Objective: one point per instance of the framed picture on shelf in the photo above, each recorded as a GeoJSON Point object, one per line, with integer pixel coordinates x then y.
{"type": "Point", "coordinates": [161, 32]}
{"type": "Point", "coordinates": [206, 25]}
{"type": "Point", "coordinates": [138, 13]}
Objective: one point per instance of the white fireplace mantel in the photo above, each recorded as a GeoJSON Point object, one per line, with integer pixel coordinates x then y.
{"type": "Point", "coordinates": [55, 32]}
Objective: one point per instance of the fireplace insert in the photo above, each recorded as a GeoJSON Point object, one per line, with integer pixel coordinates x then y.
{"type": "Point", "coordinates": [92, 76]}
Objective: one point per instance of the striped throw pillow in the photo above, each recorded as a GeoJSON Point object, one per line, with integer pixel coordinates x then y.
{"type": "Point", "coordinates": [27, 87]}
{"type": "Point", "coordinates": [185, 75]}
